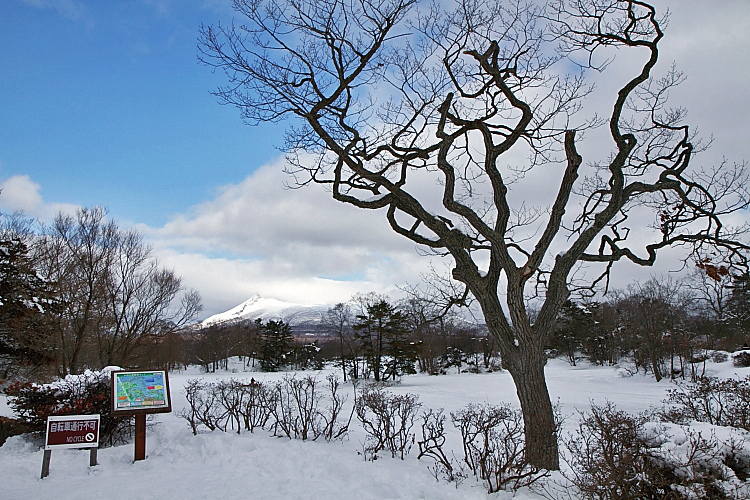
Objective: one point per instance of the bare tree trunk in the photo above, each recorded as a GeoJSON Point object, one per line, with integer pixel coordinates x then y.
{"type": "Point", "coordinates": [526, 366]}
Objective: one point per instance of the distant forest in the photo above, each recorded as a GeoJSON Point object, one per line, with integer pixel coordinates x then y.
{"type": "Point", "coordinates": [83, 294]}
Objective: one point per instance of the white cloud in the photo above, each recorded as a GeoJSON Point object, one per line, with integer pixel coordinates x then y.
{"type": "Point", "coordinates": [295, 245]}
{"type": "Point", "coordinates": [224, 283]}
{"type": "Point", "coordinates": [21, 194]}
{"type": "Point", "coordinates": [291, 243]}
{"type": "Point", "coordinates": [304, 247]}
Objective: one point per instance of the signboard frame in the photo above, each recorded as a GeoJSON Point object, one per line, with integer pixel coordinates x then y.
{"type": "Point", "coordinates": [56, 419]}
{"type": "Point", "coordinates": [117, 377]}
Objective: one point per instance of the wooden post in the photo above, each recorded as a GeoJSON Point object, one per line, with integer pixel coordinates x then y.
{"type": "Point", "coordinates": [45, 463]}
{"type": "Point", "coordinates": [140, 437]}
{"type": "Point", "coordinates": [92, 457]}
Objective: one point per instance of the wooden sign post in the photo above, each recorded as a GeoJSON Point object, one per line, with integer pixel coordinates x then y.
{"type": "Point", "coordinates": [71, 431]}
{"type": "Point", "coordinates": [138, 393]}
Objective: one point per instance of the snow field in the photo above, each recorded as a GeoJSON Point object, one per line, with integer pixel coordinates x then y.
{"type": "Point", "coordinates": [217, 465]}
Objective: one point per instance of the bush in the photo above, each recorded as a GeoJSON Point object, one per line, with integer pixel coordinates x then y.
{"type": "Point", "coordinates": [431, 446]}
{"type": "Point", "coordinates": [86, 394]}
{"type": "Point", "coordinates": [388, 419]}
{"type": "Point", "coordinates": [292, 406]}
{"type": "Point", "coordinates": [614, 456]}
{"type": "Point", "coordinates": [297, 411]}
{"type": "Point", "coordinates": [741, 359]}
{"type": "Point", "coordinates": [719, 357]}
{"type": "Point", "coordinates": [609, 458]}
{"type": "Point", "coordinates": [724, 402]}
{"type": "Point", "coordinates": [203, 407]}
{"type": "Point", "coordinates": [11, 427]}
{"type": "Point", "coordinates": [227, 404]}
{"type": "Point", "coordinates": [493, 444]}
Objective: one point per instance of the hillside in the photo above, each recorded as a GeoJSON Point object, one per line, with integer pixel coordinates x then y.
{"type": "Point", "coordinates": [257, 307]}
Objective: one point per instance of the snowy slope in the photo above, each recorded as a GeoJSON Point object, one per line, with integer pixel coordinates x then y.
{"type": "Point", "coordinates": [269, 309]}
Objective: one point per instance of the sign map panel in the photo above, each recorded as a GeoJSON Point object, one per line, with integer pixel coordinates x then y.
{"type": "Point", "coordinates": [143, 391]}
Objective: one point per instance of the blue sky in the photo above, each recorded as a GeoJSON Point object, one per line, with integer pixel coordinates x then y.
{"type": "Point", "coordinates": [103, 102]}
{"type": "Point", "coordinates": [106, 103]}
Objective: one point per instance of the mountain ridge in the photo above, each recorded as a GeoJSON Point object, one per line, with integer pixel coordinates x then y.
{"type": "Point", "coordinates": [266, 309]}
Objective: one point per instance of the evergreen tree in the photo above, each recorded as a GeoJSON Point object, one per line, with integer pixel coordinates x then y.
{"type": "Point", "coordinates": [24, 300]}
{"type": "Point", "coordinates": [369, 330]}
{"type": "Point", "coordinates": [738, 307]}
{"type": "Point", "coordinates": [382, 332]}
{"type": "Point", "coordinates": [571, 329]}
{"type": "Point", "coordinates": [400, 347]}
{"type": "Point", "coordinates": [275, 344]}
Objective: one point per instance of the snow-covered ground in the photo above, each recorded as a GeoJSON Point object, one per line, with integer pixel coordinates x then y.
{"type": "Point", "coordinates": [218, 465]}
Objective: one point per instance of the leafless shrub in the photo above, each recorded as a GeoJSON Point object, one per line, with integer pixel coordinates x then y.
{"type": "Point", "coordinates": [293, 403]}
{"type": "Point", "coordinates": [716, 401]}
{"type": "Point", "coordinates": [225, 404]}
{"type": "Point", "coordinates": [431, 446]}
{"type": "Point", "coordinates": [256, 406]}
{"type": "Point", "coordinates": [387, 419]}
{"type": "Point", "coordinates": [333, 428]}
{"type": "Point", "coordinates": [296, 405]}
{"type": "Point", "coordinates": [231, 395]}
{"type": "Point", "coordinates": [297, 410]}
{"type": "Point", "coordinates": [493, 445]}
{"type": "Point", "coordinates": [203, 408]}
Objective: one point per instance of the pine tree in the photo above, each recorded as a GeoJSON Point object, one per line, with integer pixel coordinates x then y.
{"type": "Point", "coordinates": [275, 343]}
{"type": "Point", "coordinates": [24, 300]}
{"type": "Point", "coordinates": [571, 329]}
{"type": "Point", "coordinates": [400, 348]}
{"type": "Point", "coordinates": [369, 330]}
{"type": "Point", "coordinates": [383, 332]}
{"type": "Point", "coordinates": [738, 306]}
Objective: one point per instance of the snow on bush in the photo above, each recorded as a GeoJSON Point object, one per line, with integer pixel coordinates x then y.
{"type": "Point", "coordinates": [614, 455]}
{"type": "Point", "coordinates": [741, 359]}
{"type": "Point", "coordinates": [86, 394]}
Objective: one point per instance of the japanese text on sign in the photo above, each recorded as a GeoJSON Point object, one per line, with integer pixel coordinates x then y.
{"type": "Point", "coordinates": [72, 431]}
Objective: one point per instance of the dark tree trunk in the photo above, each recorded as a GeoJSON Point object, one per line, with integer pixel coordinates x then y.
{"type": "Point", "coordinates": [526, 366]}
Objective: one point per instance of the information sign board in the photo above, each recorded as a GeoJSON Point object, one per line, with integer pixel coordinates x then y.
{"type": "Point", "coordinates": [135, 392]}
{"type": "Point", "coordinates": [72, 431]}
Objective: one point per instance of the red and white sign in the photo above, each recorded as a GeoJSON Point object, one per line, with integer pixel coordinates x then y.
{"type": "Point", "coordinates": [72, 431]}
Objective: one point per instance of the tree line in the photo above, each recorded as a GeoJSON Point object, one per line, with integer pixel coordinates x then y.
{"type": "Point", "coordinates": [664, 327]}
{"type": "Point", "coordinates": [81, 292]}
{"type": "Point", "coordinates": [368, 337]}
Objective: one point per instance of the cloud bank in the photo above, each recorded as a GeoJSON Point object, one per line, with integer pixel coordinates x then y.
{"type": "Point", "coordinates": [295, 245]}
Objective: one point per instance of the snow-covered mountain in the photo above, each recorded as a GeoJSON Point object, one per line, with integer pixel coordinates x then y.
{"type": "Point", "coordinates": [269, 309]}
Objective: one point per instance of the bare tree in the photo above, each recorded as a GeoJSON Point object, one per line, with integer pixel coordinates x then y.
{"type": "Point", "coordinates": [139, 301]}
{"type": "Point", "coordinates": [338, 321]}
{"type": "Point", "coordinates": [480, 95]}
{"type": "Point", "coordinates": [654, 315]}
{"type": "Point", "coordinates": [114, 294]}
{"type": "Point", "coordinates": [77, 254]}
